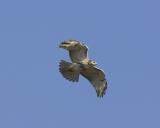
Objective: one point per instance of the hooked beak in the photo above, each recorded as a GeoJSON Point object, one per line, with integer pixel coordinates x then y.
{"type": "Point", "coordinates": [64, 44]}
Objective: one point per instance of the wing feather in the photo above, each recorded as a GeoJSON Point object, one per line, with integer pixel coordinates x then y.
{"type": "Point", "coordinates": [97, 78]}
{"type": "Point", "coordinates": [69, 71]}
{"type": "Point", "coordinates": [79, 53]}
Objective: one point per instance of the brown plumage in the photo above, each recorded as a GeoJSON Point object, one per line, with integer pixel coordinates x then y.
{"type": "Point", "coordinates": [82, 65]}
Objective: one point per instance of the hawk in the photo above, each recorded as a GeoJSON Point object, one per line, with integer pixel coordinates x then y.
{"type": "Point", "coordinates": [82, 65]}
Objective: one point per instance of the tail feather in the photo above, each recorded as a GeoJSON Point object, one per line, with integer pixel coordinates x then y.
{"type": "Point", "coordinates": [69, 71]}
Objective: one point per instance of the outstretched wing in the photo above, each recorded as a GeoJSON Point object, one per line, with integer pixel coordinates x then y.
{"type": "Point", "coordinates": [70, 71]}
{"type": "Point", "coordinates": [79, 53]}
{"type": "Point", "coordinates": [97, 78]}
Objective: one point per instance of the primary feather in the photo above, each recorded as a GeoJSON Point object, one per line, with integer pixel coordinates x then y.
{"type": "Point", "coordinates": [97, 78]}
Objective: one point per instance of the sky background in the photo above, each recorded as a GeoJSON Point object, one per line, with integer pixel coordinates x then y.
{"type": "Point", "coordinates": [123, 36]}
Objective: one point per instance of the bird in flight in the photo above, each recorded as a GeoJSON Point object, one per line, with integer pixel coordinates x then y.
{"type": "Point", "coordinates": [82, 65]}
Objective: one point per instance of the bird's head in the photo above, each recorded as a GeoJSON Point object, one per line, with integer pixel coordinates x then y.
{"type": "Point", "coordinates": [92, 62]}
{"type": "Point", "coordinates": [69, 44]}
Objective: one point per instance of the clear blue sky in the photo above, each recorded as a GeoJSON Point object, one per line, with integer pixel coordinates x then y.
{"type": "Point", "coordinates": [123, 37]}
